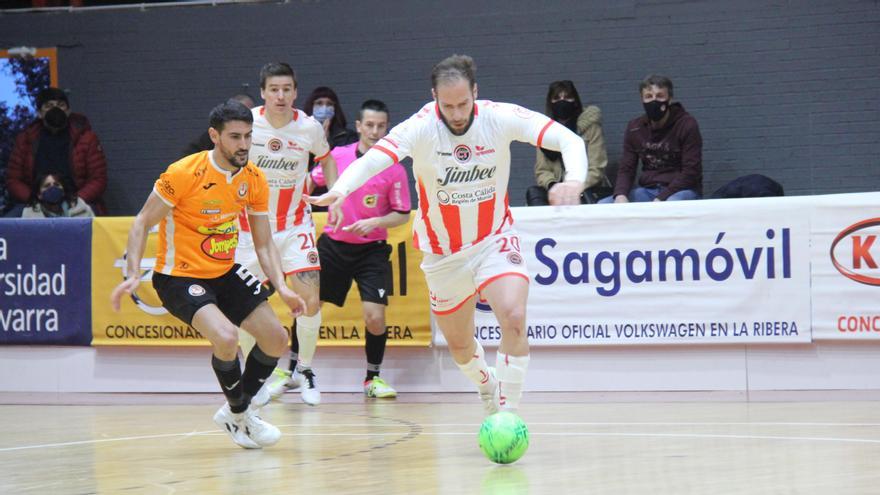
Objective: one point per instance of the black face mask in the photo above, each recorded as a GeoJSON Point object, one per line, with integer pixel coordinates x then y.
{"type": "Point", "coordinates": [55, 119]}
{"type": "Point", "coordinates": [656, 109]}
{"type": "Point", "coordinates": [564, 109]}
{"type": "Point", "coordinates": [53, 195]}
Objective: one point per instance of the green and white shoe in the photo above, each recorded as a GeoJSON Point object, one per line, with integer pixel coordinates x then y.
{"type": "Point", "coordinates": [379, 389]}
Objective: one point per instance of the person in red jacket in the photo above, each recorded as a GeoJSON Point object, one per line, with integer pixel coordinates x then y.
{"type": "Point", "coordinates": [58, 142]}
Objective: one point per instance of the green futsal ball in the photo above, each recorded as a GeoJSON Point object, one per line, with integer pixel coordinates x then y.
{"type": "Point", "coordinates": [504, 437]}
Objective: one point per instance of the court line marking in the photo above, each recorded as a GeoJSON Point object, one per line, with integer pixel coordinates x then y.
{"type": "Point", "coordinates": [569, 433]}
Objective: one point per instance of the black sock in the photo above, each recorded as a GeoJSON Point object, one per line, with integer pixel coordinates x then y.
{"type": "Point", "coordinates": [375, 349]}
{"type": "Point", "coordinates": [294, 347]}
{"type": "Point", "coordinates": [229, 375]}
{"type": "Point", "coordinates": [257, 368]}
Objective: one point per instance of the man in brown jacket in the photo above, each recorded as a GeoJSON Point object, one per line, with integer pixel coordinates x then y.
{"type": "Point", "coordinates": [667, 140]}
{"type": "Point", "coordinates": [58, 142]}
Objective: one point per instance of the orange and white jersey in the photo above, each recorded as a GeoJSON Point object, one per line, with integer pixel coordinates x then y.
{"type": "Point", "coordinates": [283, 156]}
{"type": "Point", "coordinates": [199, 236]}
{"type": "Point", "coordinates": [462, 180]}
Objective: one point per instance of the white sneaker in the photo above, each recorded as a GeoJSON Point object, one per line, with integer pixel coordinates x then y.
{"type": "Point", "coordinates": [282, 382]}
{"type": "Point", "coordinates": [262, 398]}
{"type": "Point", "coordinates": [260, 431]}
{"type": "Point", "coordinates": [491, 398]}
{"type": "Point", "coordinates": [233, 425]}
{"type": "Point", "coordinates": [308, 386]}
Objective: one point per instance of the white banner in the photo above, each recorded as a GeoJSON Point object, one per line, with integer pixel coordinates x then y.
{"type": "Point", "coordinates": [710, 271]}
{"type": "Point", "coordinates": [845, 275]}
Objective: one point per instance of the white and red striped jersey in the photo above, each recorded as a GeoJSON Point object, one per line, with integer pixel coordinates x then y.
{"type": "Point", "coordinates": [462, 180]}
{"type": "Point", "coordinates": [283, 156]}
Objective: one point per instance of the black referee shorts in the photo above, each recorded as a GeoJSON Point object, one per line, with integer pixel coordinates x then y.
{"type": "Point", "coordinates": [367, 264]}
{"type": "Point", "coordinates": [237, 293]}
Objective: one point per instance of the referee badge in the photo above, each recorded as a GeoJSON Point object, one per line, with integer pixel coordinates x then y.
{"type": "Point", "coordinates": [370, 200]}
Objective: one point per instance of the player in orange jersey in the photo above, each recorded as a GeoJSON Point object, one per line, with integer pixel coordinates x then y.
{"type": "Point", "coordinates": [195, 202]}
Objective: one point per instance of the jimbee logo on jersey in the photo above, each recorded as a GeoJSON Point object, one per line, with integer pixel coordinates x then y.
{"type": "Point", "coordinates": [312, 257]}
{"type": "Point", "coordinates": [462, 153]}
{"type": "Point", "coordinates": [274, 145]}
{"type": "Point", "coordinates": [443, 197]}
{"type": "Point", "coordinates": [370, 200]}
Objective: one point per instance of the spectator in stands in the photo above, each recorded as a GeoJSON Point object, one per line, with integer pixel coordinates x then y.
{"type": "Point", "coordinates": [668, 143]}
{"type": "Point", "coordinates": [204, 142]}
{"type": "Point", "coordinates": [323, 105]}
{"type": "Point", "coordinates": [62, 143]}
{"type": "Point", "coordinates": [563, 104]}
{"type": "Point", "coordinates": [54, 195]}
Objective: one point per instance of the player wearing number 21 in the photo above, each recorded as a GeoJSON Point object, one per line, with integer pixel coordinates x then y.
{"type": "Point", "coordinates": [460, 148]}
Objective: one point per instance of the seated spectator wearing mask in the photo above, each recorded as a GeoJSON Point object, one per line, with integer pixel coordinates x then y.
{"type": "Point", "coordinates": [54, 195]}
{"type": "Point", "coordinates": [323, 105]}
{"type": "Point", "coordinates": [563, 104]}
{"type": "Point", "coordinates": [667, 141]}
{"type": "Point", "coordinates": [60, 142]}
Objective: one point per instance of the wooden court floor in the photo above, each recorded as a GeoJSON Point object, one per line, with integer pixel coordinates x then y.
{"type": "Point", "coordinates": [427, 443]}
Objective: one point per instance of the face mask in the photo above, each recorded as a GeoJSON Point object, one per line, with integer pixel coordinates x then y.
{"type": "Point", "coordinates": [564, 109]}
{"type": "Point", "coordinates": [53, 195]}
{"type": "Point", "coordinates": [322, 113]}
{"type": "Point", "coordinates": [656, 109]}
{"type": "Point", "coordinates": [55, 119]}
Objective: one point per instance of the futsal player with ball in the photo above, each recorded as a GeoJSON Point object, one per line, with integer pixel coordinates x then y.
{"type": "Point", "coordinates": [460, 148]}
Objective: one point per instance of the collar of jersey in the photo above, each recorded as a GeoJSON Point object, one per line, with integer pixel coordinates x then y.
{"type": "Point", "coordinates": [226, 173]}
{"type": "Point", "coordinates": [295, 114]}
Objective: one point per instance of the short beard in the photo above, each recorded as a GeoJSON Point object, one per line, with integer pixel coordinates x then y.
{"type": "Point", "coordinates": [232, 159]}
{"type": "Point", "coordinates": [466, 128]}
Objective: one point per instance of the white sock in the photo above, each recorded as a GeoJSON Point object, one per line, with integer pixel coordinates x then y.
{"type": "Point", "coordinates": [307, 328]}
{"type": "Point", "coordinates": [511, 373]}
{"type": "Point", "coordinates": [476, 369]}
{"type": "Point", "coordinates": [246, 341]}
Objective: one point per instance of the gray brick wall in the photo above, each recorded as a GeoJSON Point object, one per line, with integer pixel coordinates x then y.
{"type": "Point", "coordinates": [788, 89]}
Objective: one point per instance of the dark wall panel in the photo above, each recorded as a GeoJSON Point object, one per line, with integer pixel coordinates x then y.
{"type": "Point", "coordinates": [784, 88]}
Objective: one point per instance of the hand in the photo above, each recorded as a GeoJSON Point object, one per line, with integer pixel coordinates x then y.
{"type": "Point", "coordinates": [126, 287]}
{"type": "Point", "coordinates": [362, 227]}
{"type": "Point", "coordinates": [293, 301]}
{"type": "Point", "coordinates": [566, 193]}
{"type": "Point", "coordinates": [621, 198]}
{"type": "Point", "coordinates": [333, 201]}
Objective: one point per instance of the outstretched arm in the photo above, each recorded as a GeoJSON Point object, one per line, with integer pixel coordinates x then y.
{"type": "Point", "coordinates": [374, 161]}
{"type": "Point", "coordinates": [153, 211]}
{"type": "Point", "coordinates": [574, 155]}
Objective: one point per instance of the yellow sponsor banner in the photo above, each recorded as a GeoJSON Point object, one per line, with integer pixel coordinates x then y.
{"type": "Point", "coordinates": [143, 321]}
